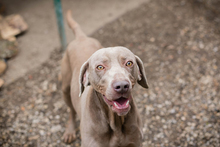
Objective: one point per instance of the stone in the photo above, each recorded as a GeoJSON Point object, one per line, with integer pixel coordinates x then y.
{"type": "Point", "coordinates": [56, 128]}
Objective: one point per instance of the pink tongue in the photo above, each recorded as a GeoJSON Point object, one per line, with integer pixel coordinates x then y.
{"type": "Point", "coordinates": [121, 101]}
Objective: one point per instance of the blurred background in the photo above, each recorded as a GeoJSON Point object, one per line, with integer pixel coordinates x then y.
{"type": "Point", "coordinates": [42, 35]}
{"type": "Point", "coordinates": [178, 41]}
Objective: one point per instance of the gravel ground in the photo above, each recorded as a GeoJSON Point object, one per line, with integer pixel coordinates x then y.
{"type": "Point", "coordinates": [180, 48]}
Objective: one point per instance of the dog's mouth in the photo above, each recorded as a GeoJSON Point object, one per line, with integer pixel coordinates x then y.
{"type": "Point", "coordinates": [120, 106]}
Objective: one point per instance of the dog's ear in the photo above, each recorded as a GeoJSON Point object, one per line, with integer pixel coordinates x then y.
{"type": "Point", "coordinates": [83, 77]}
{"type": "Point", "coordinates": [142, 79]}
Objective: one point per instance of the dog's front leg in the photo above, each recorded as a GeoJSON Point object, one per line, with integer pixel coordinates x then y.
{"type": "Point", "coordinates": [90, 142]}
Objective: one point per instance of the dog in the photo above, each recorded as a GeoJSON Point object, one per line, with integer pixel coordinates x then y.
{"type": "Point", "coordinates": [97, 85]}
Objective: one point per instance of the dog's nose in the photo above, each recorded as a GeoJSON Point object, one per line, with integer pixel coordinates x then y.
{"type": "Point", "coordinates": [121, 86]}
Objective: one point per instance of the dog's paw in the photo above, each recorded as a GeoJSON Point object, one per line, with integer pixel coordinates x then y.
{"type": "Point", "coordinates": [69, 136]}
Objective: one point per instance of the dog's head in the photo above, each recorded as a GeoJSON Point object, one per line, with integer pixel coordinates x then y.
{"type": "Point", "coordinates": [113, 72]}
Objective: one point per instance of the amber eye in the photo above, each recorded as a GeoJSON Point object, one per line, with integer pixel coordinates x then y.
{"type": "Point", "coordinates": [100, 67]}
{"type": "Point", "coordinates": [129, 63]}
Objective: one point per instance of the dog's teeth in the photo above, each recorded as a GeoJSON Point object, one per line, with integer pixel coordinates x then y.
{"type": "Point", "coordinates": [127, 103]}
{"type": "Point", "coordinates": [116, 104]}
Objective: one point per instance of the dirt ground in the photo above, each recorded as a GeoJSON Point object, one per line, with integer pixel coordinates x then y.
{"type": "Point", "coordinates": [179, 43]}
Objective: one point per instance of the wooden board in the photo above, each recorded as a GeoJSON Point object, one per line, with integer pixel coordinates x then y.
{"type": "Point", "coordinates": [12, 25]}
{"type": "Point", "coordinates": [3, 67]}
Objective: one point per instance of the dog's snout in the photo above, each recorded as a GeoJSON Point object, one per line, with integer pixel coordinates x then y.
{"type": "Point", "coordinates": [121, 86]}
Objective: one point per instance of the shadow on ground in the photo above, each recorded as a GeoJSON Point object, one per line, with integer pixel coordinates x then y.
{"type": "Point", "coordinates": [180, 48]}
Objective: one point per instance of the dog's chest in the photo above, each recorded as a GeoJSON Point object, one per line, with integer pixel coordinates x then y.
{"type": "Point", "coordinates": [127, 136]}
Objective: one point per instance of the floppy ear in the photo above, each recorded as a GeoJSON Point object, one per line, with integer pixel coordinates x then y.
{"type": "Point", "coordinates": [142, 80]}
{"type": "Point", "coordinates": [83, 77]}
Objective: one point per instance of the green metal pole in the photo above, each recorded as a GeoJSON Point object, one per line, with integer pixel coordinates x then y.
{"type": "Point", "coordinates": [59, 15]}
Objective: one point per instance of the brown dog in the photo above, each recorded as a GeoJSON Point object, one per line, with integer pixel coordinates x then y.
{"type": "Point", "coordinates": [104, 78]}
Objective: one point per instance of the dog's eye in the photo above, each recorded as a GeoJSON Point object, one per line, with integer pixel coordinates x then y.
{"type": "Point", "coordinates": [100, 67]}
{"type": "Point", "coordinates": [129, 63]}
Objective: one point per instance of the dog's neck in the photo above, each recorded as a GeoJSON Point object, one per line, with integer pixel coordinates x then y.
{"type": "Point", "coordinates": [108, 122]}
